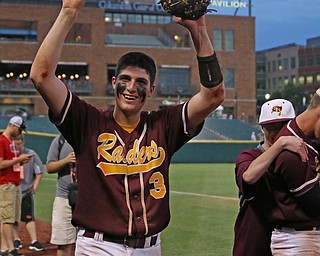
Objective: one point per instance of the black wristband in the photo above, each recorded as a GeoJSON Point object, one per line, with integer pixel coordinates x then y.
{"type": "Point", "coordinates": [209, 71]}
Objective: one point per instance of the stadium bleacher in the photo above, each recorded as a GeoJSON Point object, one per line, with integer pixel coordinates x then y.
{"type": "Point", "coordinates": [226, 129]}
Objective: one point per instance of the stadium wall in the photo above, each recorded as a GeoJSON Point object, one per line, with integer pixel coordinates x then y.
{"type": "Point", "coordinates": [212, 151]}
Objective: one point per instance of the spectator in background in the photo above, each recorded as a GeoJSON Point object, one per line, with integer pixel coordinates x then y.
{"type": "Point", "coordinates": [253, 136]}
{"type": "Point", "coordinates": [60, 157]}
{"type": "Point", "coordinates": [10, 194]}
{"type": "Point", "coordinates": [31, 174]}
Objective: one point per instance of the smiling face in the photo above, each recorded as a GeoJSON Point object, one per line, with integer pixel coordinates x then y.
{"type": "Point", "coordinates": [132, 88]}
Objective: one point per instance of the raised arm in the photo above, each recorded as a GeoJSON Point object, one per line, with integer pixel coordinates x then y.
{"type": "Point", "coordinates": [212, 91]}
{"type": "Point", "coordinates": [51, 88]}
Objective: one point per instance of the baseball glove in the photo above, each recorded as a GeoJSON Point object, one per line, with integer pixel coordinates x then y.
{"type": "Point", "coordinates": [186, 9]}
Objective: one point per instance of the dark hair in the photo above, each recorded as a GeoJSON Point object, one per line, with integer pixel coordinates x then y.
{"type": "Point", "coordinates": [137, 59]}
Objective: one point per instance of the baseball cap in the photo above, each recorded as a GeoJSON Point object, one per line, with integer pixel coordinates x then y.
{"type": "Point", "coordinates": [19, 122]}
{"type": "Point", "coordinates": [276, 110]}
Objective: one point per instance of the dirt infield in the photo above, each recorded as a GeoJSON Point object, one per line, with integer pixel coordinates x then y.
{"type": "Point", "coordinates": [43, 233]}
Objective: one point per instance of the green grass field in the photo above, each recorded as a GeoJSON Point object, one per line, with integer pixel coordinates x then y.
{"type": "Point", "coordinates": [203, 203]}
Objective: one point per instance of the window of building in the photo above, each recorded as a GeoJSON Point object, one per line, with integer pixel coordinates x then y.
{"type": "Point", "coordinates": [302, 61]}
{"type": "Point", "coordinates": [111, 71]}
{"type": "Point", "coordinates": [280, 67]}
{"type": "Point", "coordinates": [75, 76]}
{"type": "Point", "coordinates": [229, 77]}
{"type": "Point", "coordinates": [274, 66]}
{"type": "Point", "coordinates": [301, 80]}
{"type": "Point", "coordinates": [18, 30]}
{"type": "Point", "coordinates": [268, 66]}
{"type": "Point", "coordinates": [285, 64]}
{"type": "Point", "coordinates": [309, 60]}
{"type": "Point", "coordinates": [268, 88]}
{"type": "Point", "coordinates": [223, 39]}
{"type": "Point", "coordinates": [175, 80]}
{"type": "Point", "coordinates": [280, 83]}
{"type": "Point", "coordinates": [286, 80]}
{"type": "Point", "coordinates": [317, 59]}
{"type": "Point", "coordinates": [217, 39]}
{"type": "Point", "coordinates": [294, 80]}
{"type": "Point", "coordinates": [229, 40]}
{"type": "Point", "coordinates": [318, 78]}
{"type": "Point", "coordinates": [15, 77]}
{"type": "Point", "coordinates": [293, 62]}
{"type": "Point", "coordinates": [137, 18]}
{"type": "Point", "coordinates": [309, 79]}
{"type": "Point", "coordinates": [274, 83]}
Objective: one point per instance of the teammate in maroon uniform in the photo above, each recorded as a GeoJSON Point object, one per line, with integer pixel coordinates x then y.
{"type": "Point", "coordinates": [252, 232]}
{"type": "Point", "coordinates": [124, 154]}
{"type": "Point", "coordinates": [295, 210]}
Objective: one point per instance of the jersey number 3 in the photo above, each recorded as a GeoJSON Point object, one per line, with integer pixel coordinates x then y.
{"type": "Point", "coordinates": [159, 189]}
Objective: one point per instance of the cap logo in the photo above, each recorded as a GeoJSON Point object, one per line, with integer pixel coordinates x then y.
{"type": "Point", "coordinates": [277, 109]}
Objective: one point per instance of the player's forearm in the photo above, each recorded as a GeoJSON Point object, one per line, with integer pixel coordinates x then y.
{"type": "Point", "coordinates": [260, 165]}
{"type": "Point", "coordinates": [37, 181]}
{"type": "Point", "coordinates": [201, 41]}
{"type": "Point", "coordinates": [4, 164]}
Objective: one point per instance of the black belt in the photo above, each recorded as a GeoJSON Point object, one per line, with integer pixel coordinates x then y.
{"type": "Point", "coordinates": [299, 228]}
{"type": "Point", "coordinates": [129, 241]}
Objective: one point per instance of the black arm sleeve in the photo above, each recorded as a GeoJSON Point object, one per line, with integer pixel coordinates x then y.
{"type": "Point", "coordinates": [310, 202]}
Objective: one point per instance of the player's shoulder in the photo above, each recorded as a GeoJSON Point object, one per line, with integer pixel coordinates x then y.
{"type": "Point", "coordinates": [248, 154]}
{"type": "Point", "coordinates": [28, 151]}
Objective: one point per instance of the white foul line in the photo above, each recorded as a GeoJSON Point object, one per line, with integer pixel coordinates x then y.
{"type": "Point", "coordinates": [205, 195]}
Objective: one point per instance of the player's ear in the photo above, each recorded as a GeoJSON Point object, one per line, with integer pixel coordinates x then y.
{"type": "Point", "coordinates": [113, 82]}
{"type": "Point", "coordinates": [152, 88]}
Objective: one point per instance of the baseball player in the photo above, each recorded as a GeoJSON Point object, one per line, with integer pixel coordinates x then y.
{"type": "Point", "coordinates": [123, 155]}
{"type": "Point", "coordinates": [252, 232]}
{"type": "Point", "coordinates": [294, 185]}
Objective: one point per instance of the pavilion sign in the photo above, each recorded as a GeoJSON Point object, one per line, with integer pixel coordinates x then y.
{"type": "Point", "coordinates": [136, 6]}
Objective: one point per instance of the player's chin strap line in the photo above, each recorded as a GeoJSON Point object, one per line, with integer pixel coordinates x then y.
{"type": "Point", "coordinates": [209, 71]}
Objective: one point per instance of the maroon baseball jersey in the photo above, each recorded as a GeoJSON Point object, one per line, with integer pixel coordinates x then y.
{"type": "Point", "coordinates": [252, 232]}
{"type": "Point", "coordinates": [288, 178]}
{"type": "Point", "coordinates": [8, 152]}
{"type": "Point", "coordinates": [123, 177]}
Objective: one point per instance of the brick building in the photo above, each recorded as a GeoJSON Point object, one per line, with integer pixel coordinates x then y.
{"type": "Point", "coordinates": [103, 32]}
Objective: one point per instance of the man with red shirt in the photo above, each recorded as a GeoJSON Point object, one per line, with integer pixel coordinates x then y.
{"type": "Point", "coordinates": [10, 194]}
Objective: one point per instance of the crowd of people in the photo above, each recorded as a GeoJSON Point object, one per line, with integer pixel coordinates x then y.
{"type": "Point", "coordinates": [122, 157]}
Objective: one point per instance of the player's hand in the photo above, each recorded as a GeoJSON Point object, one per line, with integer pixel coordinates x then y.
{"type": "Point", "coordinates": [297, 145]}
{"type": "Point", "coordinates": [25, 158]}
